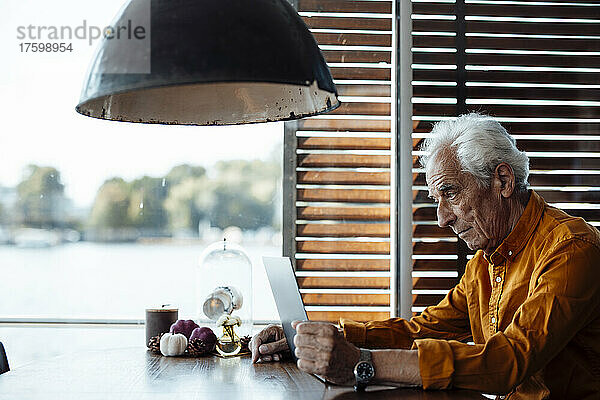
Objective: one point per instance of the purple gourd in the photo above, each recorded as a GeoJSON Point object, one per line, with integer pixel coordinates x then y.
{"type": "Point", "coordinates": [185, 327]}
{"type": "Point", "coordinates": [207, 336]}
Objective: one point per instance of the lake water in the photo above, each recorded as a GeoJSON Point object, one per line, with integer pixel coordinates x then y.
{"type": "Point", "coordinates": [112, 281]}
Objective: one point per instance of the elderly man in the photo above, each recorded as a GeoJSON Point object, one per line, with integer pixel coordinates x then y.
{"type": "Point", "coordinates": [529, 298]}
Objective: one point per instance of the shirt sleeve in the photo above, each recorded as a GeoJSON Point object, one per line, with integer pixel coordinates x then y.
{"type": "Point", "coordinates": [564, 298]}
{"type": "Point", "coordinates": [447, 320]}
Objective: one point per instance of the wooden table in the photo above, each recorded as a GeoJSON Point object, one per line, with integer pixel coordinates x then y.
{"type": "Point", "coordinates": [134, 373]}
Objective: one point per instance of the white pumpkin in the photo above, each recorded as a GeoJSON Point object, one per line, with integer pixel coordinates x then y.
{"type": "Point", "coordinates": [173, 344]}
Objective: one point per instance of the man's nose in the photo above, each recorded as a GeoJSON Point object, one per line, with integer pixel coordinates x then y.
{"type": "Point", "coordinates": [445, 216]}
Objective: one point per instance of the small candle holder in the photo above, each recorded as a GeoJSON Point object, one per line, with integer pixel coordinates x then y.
{"type": "Point", "coordinates": [159, 320]}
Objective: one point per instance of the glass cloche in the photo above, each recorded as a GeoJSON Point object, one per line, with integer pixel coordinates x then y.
{"type": "Point", "coordinates": [224, 293]}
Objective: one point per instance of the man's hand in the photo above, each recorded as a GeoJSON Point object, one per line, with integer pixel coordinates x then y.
{"type": "Point", "coordinates": [322, 349]}
{"type": "Point", "coordinates": [268, 344]}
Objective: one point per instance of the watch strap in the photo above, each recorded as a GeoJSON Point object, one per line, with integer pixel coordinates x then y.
{"type": "Point", "coordinates": [365, 355]}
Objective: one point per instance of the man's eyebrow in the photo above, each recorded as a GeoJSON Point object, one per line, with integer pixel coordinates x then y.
{"type": "Point", "coordinates": [446, 187]}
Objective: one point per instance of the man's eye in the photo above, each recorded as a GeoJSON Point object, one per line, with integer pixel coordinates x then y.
{"type": "Point", "coordinates": [450, 195]}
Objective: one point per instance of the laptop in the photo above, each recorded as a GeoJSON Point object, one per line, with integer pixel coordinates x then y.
{"type": "Point", "coordinates": [290, 306]}
{"type": "Point", "coordinates": [287, 295]}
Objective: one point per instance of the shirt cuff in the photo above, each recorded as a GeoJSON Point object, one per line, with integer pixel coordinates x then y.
{"type": "Point", "coordinates": [436, 363]}
{"type": "Point", "coordinates": [354, 332]}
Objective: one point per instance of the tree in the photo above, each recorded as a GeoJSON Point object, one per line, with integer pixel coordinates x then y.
{"type": "Point", "coordinates": [240, 194]}
{"type": "Point", "coordinates": [41, 198]}
{"type": "Point", "coordinates": [146, 208]}
{"type": "Point", "coordinates": [189, 197]}
{"type": "Point", "coordinates": [235, 206]}
{"type": "Point", "coordinates": [189, 202]}
{"type": "Point", "coordinates": [244, 193]}
{"type": "Point", "coordinates": [182, 172]}
{"type": "Point", "coordinates": [111, 206]}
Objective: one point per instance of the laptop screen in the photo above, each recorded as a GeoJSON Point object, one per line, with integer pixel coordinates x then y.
{"type": "Point", "coordinates": [287, 295]}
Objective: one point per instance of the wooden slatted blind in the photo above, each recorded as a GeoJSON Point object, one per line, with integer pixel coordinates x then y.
{"type": "Point", "coordinates": [338, 168]}
{"type": "Point", "coordinates": [533, 65]}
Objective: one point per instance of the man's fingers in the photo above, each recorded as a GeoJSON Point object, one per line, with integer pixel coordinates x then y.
{"type": "Point", "coordinates": [271, 357]}
{"type": "Point", "coordinates": [316, 328]}
{"type": "Point", "coordinates": [322, 343]}
{"type": "Point", "coordinates": [269, 334]}
{"type": "Point", "coordinates": [312, 367]}
{"type": "Point", "coordinates": [274, 347]}
{"type": "Point", "coordinates": [254, 345]}
{"type": "Point", "coordinates": [259, 339]}
{"type": "Point", "coordinates": [311, 354]}
{"type": "Point", "coordinates": [295, 323]}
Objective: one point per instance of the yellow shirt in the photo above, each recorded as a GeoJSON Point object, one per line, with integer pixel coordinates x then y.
{"type": "Point", "coordinates": [532, 309]}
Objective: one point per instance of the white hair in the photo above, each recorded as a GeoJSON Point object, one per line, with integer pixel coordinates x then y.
{"type": "Point", "coordinates": [481, 143]}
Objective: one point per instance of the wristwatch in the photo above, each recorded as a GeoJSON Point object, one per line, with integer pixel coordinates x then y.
{"type": "Point", "coordinates": [364, 370]}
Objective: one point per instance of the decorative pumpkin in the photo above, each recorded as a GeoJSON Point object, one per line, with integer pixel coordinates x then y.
{"type": "Point", "coordinates": [184, 327]}
{"type": "Point", "coordinates": [173, 344]}
{"type": "Point", "coordinates": [207, 336]}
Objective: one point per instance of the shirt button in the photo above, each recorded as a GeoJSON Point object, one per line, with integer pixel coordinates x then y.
{"type": "Point", "coordinates": [498, 279]}
{"type": "Point", "coordinates": [493, 320]}
{"type": "Point", "coordinates": [510, 252]}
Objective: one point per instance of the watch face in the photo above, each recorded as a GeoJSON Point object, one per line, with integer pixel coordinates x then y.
{"type": "Point", "coordinates": [365, 371]}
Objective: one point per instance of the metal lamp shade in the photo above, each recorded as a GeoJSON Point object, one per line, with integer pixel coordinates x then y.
{"type": "Point", "coordinates": [210, 62]}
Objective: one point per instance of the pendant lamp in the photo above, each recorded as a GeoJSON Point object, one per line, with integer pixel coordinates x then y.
{"type": "Point", "coordinates": [207, 62]}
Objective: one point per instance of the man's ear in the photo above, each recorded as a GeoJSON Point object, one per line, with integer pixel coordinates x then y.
{"type": "Point", "coordinates": [506, 177]}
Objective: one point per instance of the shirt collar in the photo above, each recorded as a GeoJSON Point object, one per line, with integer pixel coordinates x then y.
{"type": "Point", "coordinates": [518, 237]}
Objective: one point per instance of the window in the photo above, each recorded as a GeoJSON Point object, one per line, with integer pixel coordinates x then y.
{"type": "Point", "coordinates": [100, 220]}
{"type": "Point", "coordinates": [531, 64]}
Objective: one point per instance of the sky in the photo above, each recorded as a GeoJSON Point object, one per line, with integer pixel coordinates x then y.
{"type": "Point", "coordinates": [40, 125]}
